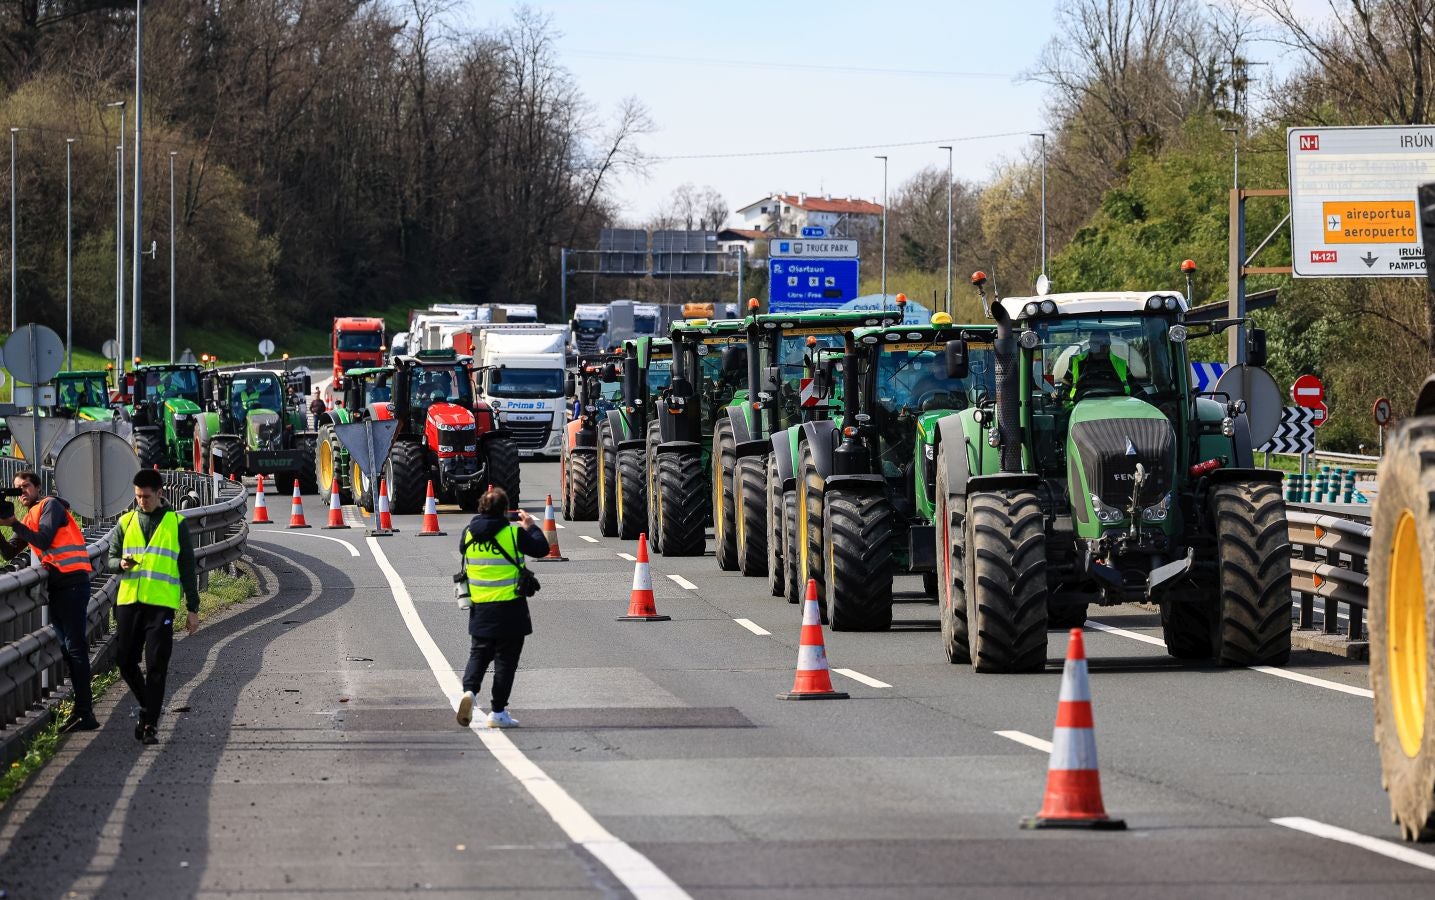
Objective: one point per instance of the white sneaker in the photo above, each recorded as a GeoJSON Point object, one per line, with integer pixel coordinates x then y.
{"type": "Point", "coordinates": [465, 709]}
{"type": "Point", "coordinates": [501, 719]}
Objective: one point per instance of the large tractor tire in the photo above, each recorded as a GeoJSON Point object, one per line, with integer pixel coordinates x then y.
{"type": "Point", "coordinates": [149, 447]}
{"type": "Point", "coordinates": [565, 486]}
{"type": "Point", "coordinates": [1186, 621]}
{"type": "Point", "coordinates": [750, 501]}
{"type": "Point", "coordinates": [776, 576]}
{"type": "Point", "coordinates": [950, 521]}
{"type": "Point", "coordinates": [583, 486]}
{"type": "Point", "coordinates": [724, 460]}
{"type": "Point", "coordinates": [224, 453]}
{"type": "Point", "coordinates": [794, 588]}
{"type": "Point", "coordinates": [1252, 621]}
{"type": "Point", "coordinates": [364, 494]}
{"type": "Point", "coordinates": [1402, 626]}
{"type": "Point", "coordinates": [607, 481]}
{"type": "Point", "coordinates": [504, 469]}
{"type": "Point", "coordinates": [858, 533]}
{"type": "Point", "coordinates": [284, 484]}
{"type": "Point", "coordinates": [810, 544]}
{"type": "Point", "coordinates": [650, 476]}
{"type": "Point", "coordinates": [682, 503]}
{"type": "Point", "coordinates": [632, 495]}
{"type": "Point", "coordinates": [199, 448]}
{"type": "Point", "coordinates": [326, 464]}
{"type": "Point", "coordinates": [1006, 581]}
{"type": "Point", "coordinates": [308, 473]}
{"type": "Point", "coordinates": [408, 481]}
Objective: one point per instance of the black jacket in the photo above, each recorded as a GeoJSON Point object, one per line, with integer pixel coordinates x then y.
{"type": "Point", "coordinates": [509, 618]}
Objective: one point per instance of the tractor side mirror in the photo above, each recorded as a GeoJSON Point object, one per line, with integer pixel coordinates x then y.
{"type": "Point", "coordinates": [1256, 348]}
{"type": "Point", "coordinates": [570, 386]}
{"type": "Point", "coordinates": [610, 373]}
{"type": "Point", "coordinates": [771, 380]}
{"type": "Point", "coordinates": [495, 375]}
{"type": "Point", "coordinates": [957, 359]}
{"type": "Point", "coordinates": [734, 359]}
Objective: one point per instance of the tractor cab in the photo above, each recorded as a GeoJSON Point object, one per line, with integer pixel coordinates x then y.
{"type": "Point", "coordinates": [84, 396]}
{"type": "Point", "coordinates": [165, 400]}
{"type": "Point", "coordinates": [709, 371]}
{"type": "Point", "coordinates": [368, 392]}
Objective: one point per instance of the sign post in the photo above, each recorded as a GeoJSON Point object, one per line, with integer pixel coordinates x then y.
{"type": "Point", "coordinates": [1308, 392]}
{"type": "Point", "coordinates": [1381, 412]}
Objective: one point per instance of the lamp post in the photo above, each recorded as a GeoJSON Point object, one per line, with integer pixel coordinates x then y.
{"type": "Point", "coordinates": [139, 169]}
{"type": "Point", "coordinates": [120, 244]}
{"type": "Point", "coordinates": [13, 283]}
{"type": "Point", "coordinates": [172, 154]}
{"type": "Point", "coordinates": [69, 258]}
{"type": "Point", "coordinates": [948, 304]}
{"type": "Point", "coordinates": [884, 230]}
{"type": "Point", "coordinates": [1042, 135]}
{"type": "Point", "coordinates": [1235, 134]}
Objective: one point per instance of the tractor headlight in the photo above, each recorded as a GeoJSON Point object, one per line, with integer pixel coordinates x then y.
{"type": "Point", "coordinates": [1031, 309]}
{"type": "Point", "coordinates": [180, 417]}
{"type": "Point", "coordinates": [1048, 307]}
{"type": "Point", "coordinates": [1159, 512]}
{"type": "Point", "coordinates": [1228, 426]}
{"type": "Point", "coordinates": [1153, 303]}
{"type": "Point", "coordinates": [1178, 334]}
{"type": "Point", "coordinates": [1108, 515]}
{"type": "Point", "coordinates": [1029, 339]}
{"type": "Point", "coordinates": [1172, 303]}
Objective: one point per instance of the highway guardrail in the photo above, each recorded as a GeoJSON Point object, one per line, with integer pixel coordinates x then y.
{"type": "Point", "coordinates": [1328, 565]}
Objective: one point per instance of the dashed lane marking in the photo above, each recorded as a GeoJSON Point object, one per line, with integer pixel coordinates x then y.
{"type": "Point", "coordinates": [590, 540]}
{"type": "Point", "coordinates": [1021, 737]}
{"type": "Point", "coordinates": [1356, 839]}
{"type": "Point", "coordinates": [629, 557]}
{"type": "Point", "coordinates": [752, 626]}
{"type": "Point", "coordinates": [864, 679]}
{"type": "Point", "coordinates": [353, 551]}
{"type": "Point", "coordinates": [683, 582]}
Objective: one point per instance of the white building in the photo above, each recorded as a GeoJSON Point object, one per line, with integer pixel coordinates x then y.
{"type": "Point", "coordinates": [788, 214]}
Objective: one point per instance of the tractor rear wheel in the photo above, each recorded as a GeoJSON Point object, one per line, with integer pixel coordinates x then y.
{"type": "Point", "coordinates": [503, 468]}
{"type": "Point", "coordinates": [858, 533]}
{"type": "Point", "coordinates": [809, 529]}
{"type": "Point", "coordinates": [750, 502]}
{"type": "Point", "coordinates": [950, 521]}
{"type": "Point", "coordinates": [583, 486]}
{"type": "Point", "coordinates": [1186, 623]}
{"type": "Point", "coordinates": [1402, 626]}
{"type": "Point", "coordinates": [795, 587]}
{"type": "Point", "coordinates": [308, 480]}
{"type": "Point", "coordinates": [724, 459]}
{"type": "Point", "coordinates": [607, 481]}
{"type": "Point", "coordinates": [650, 477]}
{"type": "Point", "coordinates": [632, 495]}
{"type": "Point", "coordinates": [1252, 621]}
{"type": "Point", "coordinates": [149, 447]}
{"type": "Point", "coordinates": [682, 503]}
{"type": "Point", "coordinates": [1006, 581]}
{"type": "Point", "coordinates": [408, 481]}
{"type": "Point", "coordinates": [776, 577]}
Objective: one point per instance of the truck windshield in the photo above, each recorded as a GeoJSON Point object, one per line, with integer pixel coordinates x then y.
{"type": "Point", "coordinates": [1104, 355]}
{"type": "Point", "coordinates": [526, 383]}
{"type": "Point", "coordinates": [591, 324]}
{"type": "Point", "coordinates": [360, 341]}
{"type": "Point", "coordinates": [645, 324]}
{"type": "Point", "coordinates": [430, 385]}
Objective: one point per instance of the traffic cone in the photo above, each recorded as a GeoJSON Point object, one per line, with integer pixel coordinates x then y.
{"type": "Point", "coordinates": [336, 509]}
{"type": "Point", "coordinates": [261, 509]}
{"type": "Point", "coordinates": [1073, 782]}
{"type": "Point", "coordinates": [386, 522]}
{"type": "Point", "coordinates": [550, 531]}
{"type": "Point", "coordinates": [430, 525]}
{"type": "Point", "coordinates": [641, 607]}
{"type": "Point", "coordinates": [813, 681]}
{"type": "Point", "coordinates": [296, 511]}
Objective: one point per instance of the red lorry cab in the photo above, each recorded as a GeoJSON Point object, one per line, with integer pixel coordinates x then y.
{"type": "Point", "coordinates": [358, 344]}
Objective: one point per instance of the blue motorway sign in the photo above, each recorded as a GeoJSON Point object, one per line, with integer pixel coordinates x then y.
{"type": "Point", "coordinates": [795, 285]}
{"type": "Point", "coordinates": [814, 231]}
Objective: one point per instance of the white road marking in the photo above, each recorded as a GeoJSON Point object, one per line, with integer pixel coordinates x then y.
{"type": "Point", "coordinates": [629, 557]}
{"type": "Point", "coordinates": [752, 626]}
{"type": "Point", "coordinates": [353, 551]}
{"type": "Point", "coordinates": [637, 873]}
{"type": "Point", "coordinates": [683, 582]}
{"type": "Point", "coordinates": [865, 679]}
{"type": "Point", "coordinates": [1356, 839]}
{"type": "Point", "coordinates": [559, 525]}
{"type": "Point", "coordinates": [590, 540]}
{"type": "Point", "coordinates": [1021, 737]}
{"type": "Point", "coordinates": [1265, 670]}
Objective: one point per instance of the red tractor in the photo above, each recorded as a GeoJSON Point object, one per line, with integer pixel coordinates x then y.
{"type": "Point", "coordinates": [445, 436]}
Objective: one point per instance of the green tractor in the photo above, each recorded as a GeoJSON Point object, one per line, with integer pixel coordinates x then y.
{"type": "Point", "coordinates": [709, 371]}
{"type": "Point", "coordinates": [363, 389]}
{"type": "Point", "coordinates": [84, 396]}
{"type": "Point", "coordinates": [644, 370]}
{"type": "Point", "coordinates": [250, 427]}
{"type": "Point", "coordinates": [165, 404]}
{"type": "Point", "coordinates": [864, 494]}
{"type": "Point", "coordinates": [1097, 475]}
{"type": "Point", "coordinates": [578, 456]}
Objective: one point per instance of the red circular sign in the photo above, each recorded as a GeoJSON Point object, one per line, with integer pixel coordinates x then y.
{"type": "Point", "coordinates": [1381, 411]}
{"type": "Point", "coordinates": [1309, 391]}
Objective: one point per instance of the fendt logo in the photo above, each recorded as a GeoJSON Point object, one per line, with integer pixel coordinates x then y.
{"type": "Point", "coordinates": [1310, 142]}
{"type": "Point", "coordinates": [1323, 256]}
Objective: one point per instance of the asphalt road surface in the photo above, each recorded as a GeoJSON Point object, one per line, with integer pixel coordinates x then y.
{"type": "Point", "coordinates": [311, 750]}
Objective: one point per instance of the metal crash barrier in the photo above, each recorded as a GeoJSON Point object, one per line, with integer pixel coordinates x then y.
{"type": "Point", "coordinates": [1329, 565]}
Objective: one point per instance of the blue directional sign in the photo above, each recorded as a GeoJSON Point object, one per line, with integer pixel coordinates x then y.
{"type": "Point", "coordinates": [795, 285]}
{"type": "Point", "coordinates": [814, 231]}
{"type": "Point", "coordinates": [1204, 375]}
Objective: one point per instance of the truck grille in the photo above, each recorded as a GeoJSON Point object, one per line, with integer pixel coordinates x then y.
{"type": "Point", "coordinates": [529, 435]}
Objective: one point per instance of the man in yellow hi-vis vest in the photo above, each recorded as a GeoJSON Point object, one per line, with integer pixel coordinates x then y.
{"type": "Point", "coordinates": [492, 549]}
{"type": "Point", "coordinates": [154, 557]}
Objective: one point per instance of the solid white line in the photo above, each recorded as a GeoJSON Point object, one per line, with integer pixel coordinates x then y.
{"type": "Point", "coordinates": [637, 873]}
{"type": "Point", "coordinates": [590, 540]}
{"type": "Point", "coordinates": [1021, 737]}
{"type": "Point", "coordinates": [1264, 670]}
{"type": "Point", "coordinates": [1356, 839]}
{"type": "Point", "coordinates": [559, 525]}
{"type": "Point", "coordinates": [858, 676]}
{"type": "Point", "coordinates": [353, 551]}
{"type": "Point", "coordinates": [683, 582]}
{"type": "Point", "coordinates": [629, 557]}
{"type": "Point", "coordinates": [752, 626]}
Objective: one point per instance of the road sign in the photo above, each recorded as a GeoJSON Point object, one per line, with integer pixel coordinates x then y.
{"type": "Point", "coordinates": [795, 285]}
{"type": "Point", "coordinates": [34, 354]}
{"type": "Point", "coordinates": [109, 349]}
{"type": "Point", "coordinates": [54, 432]}
{"type": "Point", "coordinates": [1352, 199]}
{"type": "Point", "coordinates": [266, 347]}
{"type": "Point", "coordinates": [1204, 376]}
{"type": "Point", "coordinates": [95, 472]}
{"type": "Point", "coordinates": [29, 395]}
{"type": "Point", "coordinates": [828, 248]}
{"type": "Point", "coordinates": [368, 442]}
{"type": "Point", "coordinates": [814, 231]}
{"type": "Point", "coordinates": [1262, 396]}
{"type": "Point", "coordinates": [1309, 391]}
{"type": "Point", "coordinates": [1381, 412]}
{"type": "Point", "coordinates": [1295, 434]}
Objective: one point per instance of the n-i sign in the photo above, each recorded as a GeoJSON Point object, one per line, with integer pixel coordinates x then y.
{"type": "Point", "coordinates": [1309, 391]}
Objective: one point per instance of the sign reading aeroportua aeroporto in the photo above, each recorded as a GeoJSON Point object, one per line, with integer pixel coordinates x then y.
{"type": "Point", "coordinates": [1352, 199]}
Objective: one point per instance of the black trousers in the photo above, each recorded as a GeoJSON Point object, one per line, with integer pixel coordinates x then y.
{"type": "Point", "coordinates": [67, 613]}
{"type": "Point", "coordinates": [148, 630]}
{"type": "Point", "coordinates": [503, 653]}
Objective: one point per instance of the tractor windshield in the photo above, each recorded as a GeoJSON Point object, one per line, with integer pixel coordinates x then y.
{"type": "Point", "coordinates": [79, 392]}
{"type": "Point", "coordinates": [171, 385]}
{"type": "Point", "coordinates": [913, 378]}
{"type": "Point", "coordinates": [431, 385]}
{"type": "Point", "coordinates": [515, 382]}
{"type": "Point", "coordinates": [1092, 356]}
{"type": "Point", "coordinates": [794, 359]}
{"type": "Point", "coordinates": [255, 392]}
{"type": "Point", "coordinates": [660, 375]}
{"type": "Point", "coordinates": [360, 341]}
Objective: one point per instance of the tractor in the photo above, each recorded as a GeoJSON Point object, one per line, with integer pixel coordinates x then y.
{"type": "Point", "coordinates": [251, 427]}
{"type": "Point", "coordinates": [577, 466]}
{"type": "Point", "coordinates": [84, 396]}
{"type": "Point", "coordinates": [1097, 475]}
{"type": "Point", "coordinates": [644, 370]}
{"type": "Point", "coordinates": [864, 490]}
{"type": "Point", "coordinates": [165, 403]}
{"type": "Point", "coordinates": [709, 371]}
{"type": "Point", "coordinates": [444, 436]}
{"type": "Point", "coordinates": [363, 390]}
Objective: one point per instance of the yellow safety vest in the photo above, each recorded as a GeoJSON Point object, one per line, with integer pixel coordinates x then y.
{"type": "Point", "coordinates": [1118, 365]}
{"type": "Point", "coordinates": [491, 578]}
{"type": "Point", "coordinates": [155, 580]}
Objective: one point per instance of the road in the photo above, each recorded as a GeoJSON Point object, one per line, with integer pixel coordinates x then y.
{"type": "Point", "coordinates": [312, 750]}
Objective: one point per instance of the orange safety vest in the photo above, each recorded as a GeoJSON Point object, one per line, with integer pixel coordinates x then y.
{"type": "Point", "coordinates": [67, 552]}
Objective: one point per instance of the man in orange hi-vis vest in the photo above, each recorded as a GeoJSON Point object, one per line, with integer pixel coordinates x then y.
{"type": "Point", "coordinates": [55, 538]}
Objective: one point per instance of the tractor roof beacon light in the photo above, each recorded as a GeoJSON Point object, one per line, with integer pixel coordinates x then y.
{"type": "Point", "coordinates": [753, 305]}
{"type": "Point", "coordinates": [1188, 268]}
{"type": "Point", "coordinates": [979, 281]}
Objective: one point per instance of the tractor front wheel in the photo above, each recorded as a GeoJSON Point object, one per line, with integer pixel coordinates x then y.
{"type": "Point", "coordinates": [224, 457]}
{"type": "Point", "coordinates": [504, 469]}
{"type": "Point", "coordinates": [750, 513]}
{"type": "Point", "coordinates": [858, 533]}
{"type": "Point", "coordinates": [655, 531]}
{"type": "Point", "coordinates": [583, 486]}
{"type": "Point", "coordinates": [950, 521]}
{"type": "Point", "coordinates": [795, 588]}
{"type": "Point", "coordinates": [810, 547]}
{"type": "Point", "coordinates": [149, 447]}
{"type": "Point", "coordinates": [632, 495]}
{"type": "Point", "coordinates": [724, 459]}
{"type": "Point", "coordinates": [776, 578]}
{"type": "Point", "coordinates": [682, 503]}
{"type": "Point", "coordinates": [1252, 621]}
{"type": "Point", "coordinates": [407, 478]}
{"type": "Point", "coordinates": [308, 480]}
{"type": "Point", "coordinates": [1006, 581]}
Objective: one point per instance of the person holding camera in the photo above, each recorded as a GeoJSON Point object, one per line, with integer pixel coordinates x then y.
{"type": "Point", "coordinates": [155, 560]}
{"type": "Point", "coordinates": [499, 586]}
{"type": "Point", "coordinates": [55, 538]}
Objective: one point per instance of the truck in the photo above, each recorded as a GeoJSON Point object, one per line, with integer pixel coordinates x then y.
{"type": "Point", "coordinates": [358, 343]}
{"type": "Point", "coordinates": [590, 329]}
{"type": "Point", "coordinates": [520, 373]}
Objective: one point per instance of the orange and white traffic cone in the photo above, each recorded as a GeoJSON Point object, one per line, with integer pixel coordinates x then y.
{"type": "Point", "coordinates": [261, 509]}
{"type": "Point", "coordinates": [296, 511]}
{"type": "Point", "coordinates": [386, 522]}
{"type": "Point", "coordinates": [814, 680]}
{"type": "Point", "coordinates": [1073, 781]}
{"type": "Point", "coordinates": [550, 531]}
{"type": "Point", "coordinates": [641, 607]}
{"type": "Point", "coordinates": [430, 524]}
{"type": "Point", "coordinates": [336, 509]}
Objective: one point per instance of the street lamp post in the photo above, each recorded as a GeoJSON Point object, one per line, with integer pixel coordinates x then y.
{"type": "Point", "coordinates": [948, 304]}
{"type": "Point", "coordinates": [139, 169]}
{"type": "Point", "coordinates": [69, 258]}
{"type": "Point", "coordinates": [120, 245]}
{"type": "Point", "coordinates": [884, 230]}
{"type": "Point", "coordinates": [1042, 135]}
{"type": "Point", "coordinates": [171, 254]}
{"type": "Point", "coordinates": [14, 292]}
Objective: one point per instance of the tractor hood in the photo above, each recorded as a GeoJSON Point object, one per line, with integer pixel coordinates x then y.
{"type": "Point", "coordinates": [181, 407]}
{"type": "Point", "coordinates": [450, 415]}
{"type": "Point", "coordinates": [263, 430]}
{"type": "Point", "coordinates": [1108, 437]}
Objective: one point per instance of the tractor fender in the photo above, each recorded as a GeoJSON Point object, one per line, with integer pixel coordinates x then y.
{"type": "Point", "coordinates": [1242, 453]}
{"type": "Point", "coordinates": [758, 447]}
{"type": "Point", "coordinates": [822, 437]}
{"type": "Point", "coordinates": [615, 423]}
{"type": "Point", "coordinates": [145, 429]}
{"type": "Point", "coordinates": [632, 444]}
{"type": "Point", "coordinates": [667, 423]}
{"type": "Point", "coordinates": [782, 455]}
{"type": "Point", "coordinates": [679, 446]}
{"type": "Point", "coordinates": [856, 484]}
{"type": "Point", "coordinates": [737, 414]}
{"type": "Point", "coordinates": [489, 437]}
{"type": "Point", "coordinates": [952, 444]}
{"type": "Point", "coordinates": [1225, 476]}
{"type": "Point", "coordinates": [1003, 481]}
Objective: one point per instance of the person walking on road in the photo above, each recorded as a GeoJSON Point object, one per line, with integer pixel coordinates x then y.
{"type": "Point", "coordinates": [55, 538]}
{"type": "Point", "coordinates": [493, 548]}
{"type": "Point", "coordinates": [316, 408]}
{"type": "Point", "coordinates": [155, 560]}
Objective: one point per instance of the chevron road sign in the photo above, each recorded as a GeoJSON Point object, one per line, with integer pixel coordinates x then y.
{"type": "Point", "coordinates": [1296, 432]}
{"type": "Point", "coordinates": [1204, 376]}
